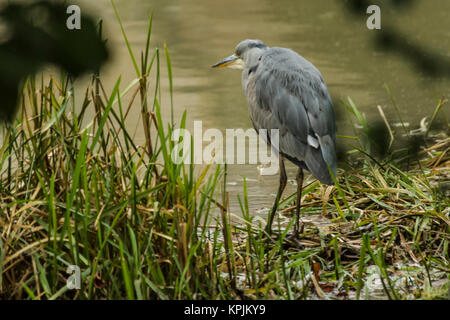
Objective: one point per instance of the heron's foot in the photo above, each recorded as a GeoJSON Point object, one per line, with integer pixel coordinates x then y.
{"type": "Point", "coordinates": [293, 240]}
{"type": "Point", "coordinates": [269, 235]}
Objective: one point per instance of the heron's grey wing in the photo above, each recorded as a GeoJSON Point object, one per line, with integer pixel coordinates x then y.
{"type": "Point", "coordinates": [287, 92]}
{"type": "Point", "coordinates": [319, 108]}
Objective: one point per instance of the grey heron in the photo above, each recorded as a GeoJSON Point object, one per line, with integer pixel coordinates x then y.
{"type": "Point", "coordinates": [286, 92]}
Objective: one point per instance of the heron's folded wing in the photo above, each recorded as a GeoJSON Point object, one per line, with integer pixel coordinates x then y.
{"type": "Point", "coordinates": [290, 95]}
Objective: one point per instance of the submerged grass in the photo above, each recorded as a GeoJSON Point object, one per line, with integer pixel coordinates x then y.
{"type": "Point", "coordinates": [75, 190]}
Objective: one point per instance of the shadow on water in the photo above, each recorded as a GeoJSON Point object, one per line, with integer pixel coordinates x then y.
{"type": "Point", "coordinates": [390, 39]}
{"type": "Point", "coordinates": [36, 35]}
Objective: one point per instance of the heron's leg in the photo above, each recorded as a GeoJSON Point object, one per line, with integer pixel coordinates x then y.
{"type": "Point", "coordinates": [297, 229]}
{"type": "Point", "coordinates": [281, 186]}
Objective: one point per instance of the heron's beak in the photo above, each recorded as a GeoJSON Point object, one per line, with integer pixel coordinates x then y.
{"type": "Point", "coordinates": [233, 62]}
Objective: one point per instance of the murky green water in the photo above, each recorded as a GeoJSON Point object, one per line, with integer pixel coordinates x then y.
{"type": "Point", "coordinates": [199, 33]}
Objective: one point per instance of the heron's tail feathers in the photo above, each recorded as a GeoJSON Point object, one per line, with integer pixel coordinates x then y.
{"type": "Point", "coordinates": [328, 148]}
{"type": "Point", "coordinates": [321, 160]}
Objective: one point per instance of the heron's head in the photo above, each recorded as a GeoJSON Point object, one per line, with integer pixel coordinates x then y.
{"type": "Point", "coordinates": [245, 55]}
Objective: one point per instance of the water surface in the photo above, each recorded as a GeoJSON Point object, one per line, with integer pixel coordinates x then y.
{"type": "Point", "coordinates": [199, 33]}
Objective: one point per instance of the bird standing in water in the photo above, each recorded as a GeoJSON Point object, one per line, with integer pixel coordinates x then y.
{"type": "Point", "coordinates": [286, 92]}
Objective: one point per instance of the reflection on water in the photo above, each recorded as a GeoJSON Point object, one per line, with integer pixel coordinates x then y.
{"type": "Point", "coordinates": [199, 33]}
